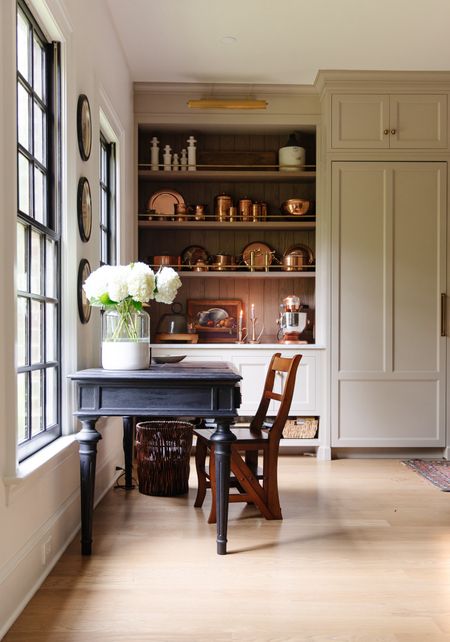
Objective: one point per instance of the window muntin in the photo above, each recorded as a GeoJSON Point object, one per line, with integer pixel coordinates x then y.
{"type": "Point", "coordinates": [38, 237]}
{"type": "Point", "coordinates": [107, 202]}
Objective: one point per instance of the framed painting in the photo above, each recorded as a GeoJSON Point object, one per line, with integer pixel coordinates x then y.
{"type": "Point", "coordinates": [215, 320]}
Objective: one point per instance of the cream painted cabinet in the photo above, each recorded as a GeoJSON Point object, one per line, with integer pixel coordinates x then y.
{"type": "Point", "coordinates": [396, 121]}
{"type": "Point", "coordinates": [388, 264]}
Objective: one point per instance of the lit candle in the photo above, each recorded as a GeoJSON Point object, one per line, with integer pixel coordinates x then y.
{"type": "Point", "coordinates": [252, 313]}
{"type": "Point", "coordinates": [241, 313]}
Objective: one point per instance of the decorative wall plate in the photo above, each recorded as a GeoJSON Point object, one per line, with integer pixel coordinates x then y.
{"type": "Point", "coordinates": [84, 307]}
{"type": "Point", "coordinates": [84, 127]}
{"type": "Point", "coordinates": [84, 209]}
{"type": "Point", "coordinates": [163, 202]}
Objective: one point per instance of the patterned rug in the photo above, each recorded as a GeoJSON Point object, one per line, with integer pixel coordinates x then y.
{"type": "Point", "coordinates": [437, 471]}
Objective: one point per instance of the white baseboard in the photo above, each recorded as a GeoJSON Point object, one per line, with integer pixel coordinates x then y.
{"type": "Point", "coordinates": [29, 557]}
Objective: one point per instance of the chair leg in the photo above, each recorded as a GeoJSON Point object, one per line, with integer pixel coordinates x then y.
{"type": "Point", "coordinates": [271, 484]}
{"type": "Point", "coordinates": [200, 458]}
{"type": "Point", "coordinates": [212, 478]}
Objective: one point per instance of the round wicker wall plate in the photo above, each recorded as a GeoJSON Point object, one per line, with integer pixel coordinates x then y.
{"type": "Point", "coordinates": [84, 307]}
{"type": "Point", "coordinates": [84, 127]}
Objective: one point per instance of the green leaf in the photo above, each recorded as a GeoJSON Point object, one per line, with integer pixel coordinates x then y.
{"type": "Point", "coordinates": [105, 300]}
{"type": "Point", "coordinates": [137, 305]}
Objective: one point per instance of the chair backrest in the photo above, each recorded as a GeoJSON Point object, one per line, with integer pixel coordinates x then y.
{"type": "Point", "coordinates": [278, 364]}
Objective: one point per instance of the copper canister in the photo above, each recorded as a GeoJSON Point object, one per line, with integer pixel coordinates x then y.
{"type": "Point", "coordinates": [199, 213]}
{"type": "Point", "coordinates": [181, 211]}
{"type": "Point", "coordinates": [263, 211]}
{"type": "Point", "coordinates": [245, 209]}
{"type": "Point", "coordinates": [233, 214]}
{"type": "Point", "coordinates": [223, 202]}
{"type": "Point", "coordinates": [256, 212]}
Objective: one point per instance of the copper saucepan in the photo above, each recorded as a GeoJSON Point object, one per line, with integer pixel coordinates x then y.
{"type": "Point", "coordinates": [298, 258]}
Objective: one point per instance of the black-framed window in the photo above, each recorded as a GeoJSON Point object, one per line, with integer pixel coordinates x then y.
{"type": "Point", "coordinates": [38, 345]}
{"type": "Point", "coordinates": [107, 202]}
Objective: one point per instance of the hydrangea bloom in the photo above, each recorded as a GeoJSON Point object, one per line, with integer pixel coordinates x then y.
{"type": "Point", "coordinates": [167, 284]}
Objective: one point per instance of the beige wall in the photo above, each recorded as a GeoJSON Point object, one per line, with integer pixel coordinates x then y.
{"type": "Point", "coordinates": [40, 504]}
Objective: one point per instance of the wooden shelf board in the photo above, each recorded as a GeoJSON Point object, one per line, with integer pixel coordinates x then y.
{"type": "Point", "coordinates": [221, 176]}
{"type": "Point", "coordinates": [243, 274]}
{"type": "Point", "coordinates": [237, 225]}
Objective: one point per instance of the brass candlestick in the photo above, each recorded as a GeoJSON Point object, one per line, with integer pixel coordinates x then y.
{"type": "Point", "coordinates": [255, 339]}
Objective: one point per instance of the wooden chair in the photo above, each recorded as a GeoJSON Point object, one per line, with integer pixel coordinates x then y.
{"type": "Point", "coordinates": [253, 486]}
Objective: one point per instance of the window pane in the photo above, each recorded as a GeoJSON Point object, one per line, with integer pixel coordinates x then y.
{"type": "Point", "coordinates": [52, 397]}
{"type": "Point", "coordinates": [36, 262]}
{"type": "Point", "coordinates": [104, 209]}
{"type": "Point", "coordinates": [50, 272]}
{"type": "Point", "coordinates": [51, 335]}
{"type": "Point", "coordinates": [23, 46]}
{"type": "Point", "coordinates": [37, 355]}
{"type": "Point", "coordinates": [39, 138]}
{"type": "Point", "coordinates": [22, 406]}
{"type": "Point", "coordinates": [39, 66]}
{"type": "Point", "coordinates": [22, 263]}
{"type": "Point", "coordinates": [104, 166]}
{"type": "Point", "coordinates": [24, 185]}
{"type": "Point", "coordinates": [22, 331]}
{"type": "Point", "coordinates": [23, 117]}
{"type": "Point", "coordinates": [39, 196]}
{"type": "Point", "coordinates": [104, 246]}
{"type": "Point", "coordinates": [37, 406]}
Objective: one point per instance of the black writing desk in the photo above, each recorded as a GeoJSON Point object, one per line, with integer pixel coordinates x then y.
{"type": "Point", "coordinates": [191, 389]}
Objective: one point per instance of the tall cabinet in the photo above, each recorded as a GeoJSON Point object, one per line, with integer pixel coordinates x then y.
{"type": "Point", "coordinates": [386, 154]}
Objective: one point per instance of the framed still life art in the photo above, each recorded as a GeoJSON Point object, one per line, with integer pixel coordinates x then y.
{"type": "Point", "coordinates": [215, 320]}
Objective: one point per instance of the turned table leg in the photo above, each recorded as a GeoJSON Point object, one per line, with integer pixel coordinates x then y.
{"type": "Point", "coordinates": [87, 438]}
{"type": "Point", "coordinates": [128, 451]}
{"type": "Point", "coordinates": [223, 437]}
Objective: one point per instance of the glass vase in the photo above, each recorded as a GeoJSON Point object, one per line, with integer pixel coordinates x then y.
{"type": "Point", "coordinates": [125, 339]}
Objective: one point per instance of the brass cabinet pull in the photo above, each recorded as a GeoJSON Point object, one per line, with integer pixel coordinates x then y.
{"type": "Point", "coordinates": [393, 131]}
{"type": "Point", "coordinates": [443, 314]}
{"type": "Point", "coordinates": [386, 132]}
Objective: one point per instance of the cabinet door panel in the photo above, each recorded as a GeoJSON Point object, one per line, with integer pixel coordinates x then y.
{"type": "Point", "coordinates": [304, 399]}
{"type": "Point", "coordinates": [418, 244]}
{"type": "Point", "coordinates": [360, 121]}
{"type": "Point", "coordinates": [418, 121]}
{"type": "Point", "coordinates": [359, 247]}
{"type": "Point", "coordinates": [253, 371]}
{"type": "Point", "coordinates": [378, 413]}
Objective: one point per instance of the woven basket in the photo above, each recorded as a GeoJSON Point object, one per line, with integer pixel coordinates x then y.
{"type": "Point", "coordinates": [162, 453]}
{"type": "Point", "coordinates": [301, 428]}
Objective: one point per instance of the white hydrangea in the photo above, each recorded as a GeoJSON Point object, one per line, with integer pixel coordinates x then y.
{"type": "Point", "coordinates": [141, 282]}
{"type": "Point", "coordinates": [118, 283]}
{"type": "Point", "coordinates": [134, 282]}
{"type": "Point", "coordinates": [167, 284]}
{"type": "Point", "coordinates": [97, 282]}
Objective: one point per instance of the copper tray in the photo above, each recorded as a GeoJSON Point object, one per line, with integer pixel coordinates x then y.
{"type": "Point", "coordinates": [263, 254]}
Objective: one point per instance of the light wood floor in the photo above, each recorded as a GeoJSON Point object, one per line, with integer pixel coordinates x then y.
{"type": "Point", "coordinates": [363, 555]}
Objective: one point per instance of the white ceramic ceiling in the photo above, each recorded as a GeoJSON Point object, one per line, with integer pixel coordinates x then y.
{"type": "Point", "coordinates": [278, 41]}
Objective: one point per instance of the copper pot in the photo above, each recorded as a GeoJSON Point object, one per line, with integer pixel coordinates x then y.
{"type": "Point", "coordinates": [166, 259]}
{"type": "Point", "coordinates": [298, 258]}
{"type": "Point", "coordinates": [296, 206]}
{"type": "Point", "coordinates": [223, 262]}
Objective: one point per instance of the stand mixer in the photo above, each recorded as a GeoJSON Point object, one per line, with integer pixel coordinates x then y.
{"type": "Point", "coordinates": [292, 322]}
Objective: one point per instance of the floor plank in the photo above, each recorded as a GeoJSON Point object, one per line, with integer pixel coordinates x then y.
{"type": "Point", "coordinates": [362, 555]}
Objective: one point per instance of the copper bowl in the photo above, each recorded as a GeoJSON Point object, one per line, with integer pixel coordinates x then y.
{"type": "Point", "coordinates": [296, 206]}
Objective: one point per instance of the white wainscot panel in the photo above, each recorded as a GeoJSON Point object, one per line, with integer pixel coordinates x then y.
{"type": "Point", "coordinates": [389, 413]}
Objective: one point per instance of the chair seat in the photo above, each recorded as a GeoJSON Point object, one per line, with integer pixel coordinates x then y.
{"type": "Point", "coordinates": [243, 435]}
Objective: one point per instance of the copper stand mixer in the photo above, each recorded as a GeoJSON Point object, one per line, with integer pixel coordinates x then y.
{"type": "Point", "coordinates": [292, 322]}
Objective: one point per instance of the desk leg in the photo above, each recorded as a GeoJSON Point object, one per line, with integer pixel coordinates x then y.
{"type": "Point", "coordinates": [222, 446]}
{"type": "Point", "coordinates": [87, 438]}
{"type": "Point", "coordinates": [128, 451]}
